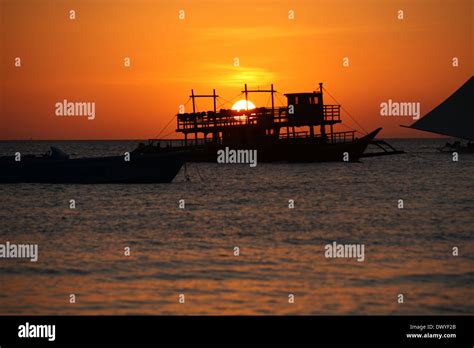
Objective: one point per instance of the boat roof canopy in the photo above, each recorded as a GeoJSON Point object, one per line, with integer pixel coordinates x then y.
{"type": "Point", "coordinates": [302, 94]}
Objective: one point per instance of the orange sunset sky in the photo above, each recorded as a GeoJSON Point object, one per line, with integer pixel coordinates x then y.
{"type": "Point", "coordinates": [83, 59]}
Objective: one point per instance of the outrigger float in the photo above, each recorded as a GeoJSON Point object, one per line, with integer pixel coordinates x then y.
{"type": "Point", "coordinates": [279, 134]}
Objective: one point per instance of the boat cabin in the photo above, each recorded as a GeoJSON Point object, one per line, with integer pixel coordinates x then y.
{"type": "Point", "coordinates": [305, 108]}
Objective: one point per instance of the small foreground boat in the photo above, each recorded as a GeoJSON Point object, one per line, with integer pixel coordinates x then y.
{"type": "Point", "coordinates": [57, 167]}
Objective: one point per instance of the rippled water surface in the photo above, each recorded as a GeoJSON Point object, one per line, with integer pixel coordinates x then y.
{"type": "Point", "coordinates": [173, 251]}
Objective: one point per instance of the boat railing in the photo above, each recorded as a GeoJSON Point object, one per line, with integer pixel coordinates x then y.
{"type": "Point", "coordinates": [172, 143]}
{"type": "Point", "coordinates": [203, 120]}
{"type": "Point", "coordinates": [342, 137]}
{"type": "Point", "coordinates": [336, 137]}
{"type": "Point", "coordinates": [264, 116]}
{"type": "Point", "coordinates": [295, 135]}
{"type": "Point", "coordinates": [332, 112]}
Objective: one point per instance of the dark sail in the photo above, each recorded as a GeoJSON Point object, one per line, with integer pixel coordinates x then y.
{"type": "Point", "coordinates": [454, 116]}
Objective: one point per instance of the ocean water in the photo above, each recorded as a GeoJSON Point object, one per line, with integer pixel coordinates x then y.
{"type": "Point", "coordinates": [282, 251]}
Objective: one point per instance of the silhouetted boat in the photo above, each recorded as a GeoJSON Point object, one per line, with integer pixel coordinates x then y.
{"type": "Point", "coordinates": [457, 146]}
{"type": "Point", "coordinates": [288, 134]}
{"type": "Point", "coordinates": [453, 117]}
{"type": "Point", "coordinates": [56, 167]}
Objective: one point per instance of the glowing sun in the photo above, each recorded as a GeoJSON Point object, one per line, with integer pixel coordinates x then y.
{"type": "Point", "coordinates": [242, 105]}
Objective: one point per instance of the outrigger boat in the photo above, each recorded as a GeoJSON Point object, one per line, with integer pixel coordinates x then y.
{"type": "Point", "coordinates": [279, 134]}
{"type": "Point", "coordinates": [57, 167]}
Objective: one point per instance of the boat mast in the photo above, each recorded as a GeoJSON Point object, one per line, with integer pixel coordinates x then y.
{"type": "Point", "coordinates": [323, 128]}
{"type": "Point", "coordinates": [246, 97]}
{"type": "Point", "coordinates": [273, 103]}
{"type": "Point", "coordinates": [214, 97]}
{"type": "Point", "coordinates": [271, 90]}
{"type": "Point", "coordinates": [193, 96]}
{"type": "Point", "coordinates": [247, 91]}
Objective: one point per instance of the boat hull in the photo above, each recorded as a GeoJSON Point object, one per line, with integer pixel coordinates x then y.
{"type": "Point", "coordinates": [290, 151]}
{"type": "Point", "coordinates": [149, 168]}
